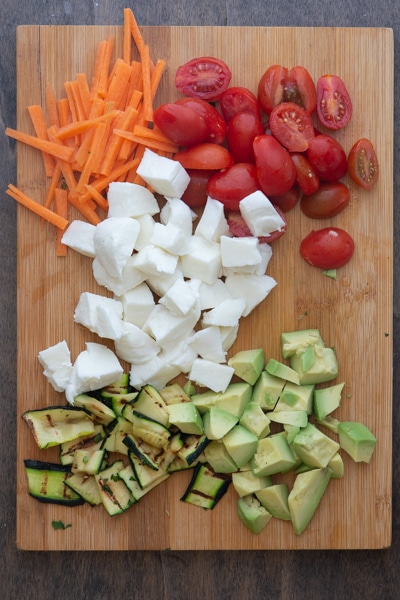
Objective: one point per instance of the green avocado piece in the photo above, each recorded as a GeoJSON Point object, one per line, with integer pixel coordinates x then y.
{"type": "Point", "coordinates": [240, 444]}
{"type": "Point", "coordinates": [296, 342]}
{"type": "Point", "coordinates": [252, 514]}
{"type": "Point", "coordinates": [330, 423]}
{"type": "Point", "coordinates": [299, 418]}
{"type": "Point", "coordinates": [255, 420]}
{"type": "Point", "coordinates": [186, 417]}
{"type": "Point", "coordinates": [337, 466]}
{"type": "Point", "coordinates": [234, 399]}
{"type": "Point", "coordinates": [279, 369]}
{"type": "Point", "coordinates": [296, 397]}
{"type": "Point", "coordinates": [357, 440]}
{"type": "Point", "coordinates": [275, 499]}
{"type": "Point", "coordinates": [248, 364]}
{"type": "Point", "coordinates": [326, 400]}
{"type": "Point", "coordinates": [313, 447]}
{"type": "Point", "coordinates": [273, 455]}
{"type": "Point", "coordinates": [324, 367]}
{"type": "Point", "coordinates": [217, 422]}
{"type": "Point", "coordinates": [267, 390]}
{"type": "Point", "coordinates": [245, 482]}
{"type": "Point", "coordinates": [218, 458]}
{"type": "Point", "coordinates": [305, 496]}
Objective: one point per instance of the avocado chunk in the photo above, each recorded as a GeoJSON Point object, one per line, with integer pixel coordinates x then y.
{"type": "Point", "coordinates": [233, 399]}
{"type": "Point", "coordinates": [273, 455]}
{"type": "Point", "coordinates": [252, 514]}
{"type": "Point", "coordinates": [313, 447]}
{"type": "Point", "coordinates": [298, 418]}
{"type": "Point", "coordinates": [324, 367]}
{"type": "Point", "coordinates": [185, 417]}
{"type": "Point", "coordinates": [217, 422]}
{"type": "Point", "coordinates": [296, 342]}
{"type": "Point", "coordinates": [326, 400]}
{"type": "Point", "coordinates": [357, 440]}
{"type": "Point", "coordinates": [245, 482]}
{"type": "Point", "coordinates": [296, 397]}
{"type": "Point", "coordinates": [240, 444]}
{"type": "Point", "coordinates": [248, 364]}
{"type": "Point", "coordinates": [279, 369]}
{"type": "Point", "coordinates": [267, 390]}
{"type": "Point", "coordinates": [337, 467]}
{"type": "Point", "coordinates": [305, 496]}
{"type": "Point", "coordinates": [275, 499]}
{"type": "Point", "coordinates": [330, 423]}
{"type": "Point", "coordinates": [218, 458]}
{"type": "Point", "coordinates": [255, 420]}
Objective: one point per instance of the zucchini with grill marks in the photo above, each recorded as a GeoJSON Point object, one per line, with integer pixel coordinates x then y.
{"type": "Point", "coordinates": [98, 410]}
{"type": "Point", "coordinates": [58, 424]}
{"type": "Point", "coordinates": [150, 455]}
{"type": "Point", "coordinates": [86, 486]}
{"type": "Point", "coordinates": [206, 487]}
{"type": "Point", "coordinates": [115, 496]}
{"type": "Point", "coordinates": [47, 483]}
{"type": "Point", "coordinates": [67, 449]}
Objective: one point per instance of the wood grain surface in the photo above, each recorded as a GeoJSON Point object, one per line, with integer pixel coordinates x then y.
{"type": "Point", "coordinates": [353, 313]}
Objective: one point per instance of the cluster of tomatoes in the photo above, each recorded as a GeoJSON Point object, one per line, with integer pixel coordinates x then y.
{"type": "Point", "coordinates": [234, 142]}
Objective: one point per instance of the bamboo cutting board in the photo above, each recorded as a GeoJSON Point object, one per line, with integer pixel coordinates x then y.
{"type": "Point", "coordinates": [353, 313]}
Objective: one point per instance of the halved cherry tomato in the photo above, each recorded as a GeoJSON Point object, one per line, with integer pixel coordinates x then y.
{"type": "Point", "coordinates": [362, 164]}
{"type": "Point", "coordinates": [328, 248]}
{"type": "Point", "coordinates": [239, 228]}
{"type": "Point", "coordinates": [233, 184]}
{"type": "Point", "coordinates": [334, 106]}
{"type": "Point", "coordinates": [306, 177]}
{"type": "Point", "coordinates": [243, 127]}
{"type": "Point", "coordinates": [327, 157]}
{"type": "Point", "coordinates": [292, 126]}
{"type": "Point", "coordinates": [213, 119]}
{"type": "Point", "coordinates": [286, 201]}
{"type": "Point", "coordinates": [237, 99]}
{"type": "Point", "coordinates": [195, 194]}
{"type": "Point", "coordinates": [278, 84]}
{"type": "Point", "coordinates": [205, 156]}
{"type": "Point", "coordinates": [275, 169]}
{"type": "Point", "coordinates": [181, 124]}
{"type": "Point", "coordinates": [328, 201]}
{"type": "Point", "coordinates": [205, 77]}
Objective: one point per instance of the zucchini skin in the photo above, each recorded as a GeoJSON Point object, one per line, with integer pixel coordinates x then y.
{"type": "Point", "coordinates": [46, 483]}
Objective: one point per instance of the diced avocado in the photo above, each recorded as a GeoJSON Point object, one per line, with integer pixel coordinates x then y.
{"type": "Point", "coordinates": [185, 417]}
{"type": "Point", "coordinates": [296, 397]}
{"type": "Point", "coordinates": [314, 447]}
{"type": "Point", "coordinates": [279, 369]}
{"type": "Point", "coordinates": [305, 496]}
{"type": "Point", "coordinates": [255, 420]}
{"type": "Point", "coordinates": [189, 388]}
{"type": "Point", "coordinates": [252, 514]}
{"type": "Point", "coordinates": [295, 342]}
{"type": "Point", "coordinates": [248, 364]}
{"type": "Point", "coordinates": [275, 499]}
{"type": "Point", "coordinates": [324, 368]}
{"type": "Point", "coordinates": [337, 466]}
{"type": "Point", "coordinates": [330, 423]}
{"type": "Point", "coordinates": [307, 358]}
{"type": "Point", "coordinates": [298, 418]}
{"type": "Point", "coordinates": [267, 390]}
{"type": "Point", "coordinates": [292, 431]}
{"type": "Point", "coordinates": [357, 440]}
{"type": "Point", "coordinates": [218, 458]}
{"type": "Point", "coordinates": [273, 455]}
{"type": "Point", "coordinates": [174, 394]}
{"type": "Point", "coordinates": [217, 422]}
{"type": "Point", "coordinates": [233, 399]}
{"type": "Point", "coordinates": [245, 482]}
{"type": "Point", "coordinates": [326, 400]}
{"type": "Point", "coordinates": [240, 444]}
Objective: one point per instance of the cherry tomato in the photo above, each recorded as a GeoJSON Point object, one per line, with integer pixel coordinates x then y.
{"type": "Point", "coordinates": [205, 77]}
{"type": "Point", "coordinates": [243, 127]}
{"type": "Point", "coordinates": [328, 201]}
{"type": "Point", "coordinates": [286, 201]}
{"type": "Point", "coordinates": [275, 169]}
{"type": "Point", "coordinates": [334, 107]}
{"type": "Point", "coordinates": [181, 124]}
{"type": "Point", "coordinates": [306, 177]}
{"type": "Point", "coordinates": [278, 84]}
{"type": "Point", "coordinates": [328, 248]}
{"type": "Point", "coordinates": [213, 119]}
{"type": "Point", "coordinates": [205, 156]}
{"type": "Point", "coordinates": [292, 126]}
{"type": "Point", "coordinates": [239, 228]}
{"type": "Point", "coordinates": [362, 164]}
{"type": "Point", "coordinates": [233, 184]}
{"type": "Point", "coordinates": [327, 157]}
{"type": "Point", "coordinates": [195, 194]}
{"type": "Point", "coordinates": [237, 99]}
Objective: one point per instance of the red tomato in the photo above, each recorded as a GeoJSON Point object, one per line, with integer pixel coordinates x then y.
{"type": "Point", "coordinates": [195, 194]}
{"type": "Point", "coordinates": [327, 157]}
{"type": "Point", "coordinates": [328, 248]}
{"type": "Point", "coordinates": [328, 201]}
{"type": "Point", "coordinates": [362, 164]}
{"type": "Point", "coordinates": [292, 126]}
{"type": "Point", "coordinates": [181, 124]}
{"type": "Point", "coordinates": [306, 177]}
{"type": "Point", "coordinates": [237, 99]}
{"type": "Point", "coordinates": [239, 228]}
{"type": "Point", "coordinates": [242, 129]}
{"type": "Point", "coordinates": [214, 121]}
{"type": "Point", "coordinates": [275, 169]}
{"type": "Point", "coordinates": [286, 201]}
{"type": "Point", "coordinates": [205, 156]}
{"type": "Point", "coordinates": [278, 84]}
{"type": "Point", "coordinates": [206, 77]}
{"type": "Point", "coordinates": [233, 184]}
{"type": "Point", "coordinates": [334, 107]}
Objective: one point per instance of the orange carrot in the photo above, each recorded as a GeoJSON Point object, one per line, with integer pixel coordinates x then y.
{"type": "Point", "coordinates": [63, 112]}
{"type": "Point", "coordinates": [125, 122]}
{"type": "Point", "coordinates": [57, 150]}
{"type": "Point", "coordinates": [127, 44]}
{"type": "Point", "coordinates": [105, 68]}
{"type": "Point", "coordinates": [152, 142]}
{"type": "Point", "coordinates": [84, 93]}
{"type": "Point", "coordinates": [40, 126]}
{"type": "Point", "coordinates": [97, 197]}
{"type": "Point", "coordinates": [102, 182]}
{"type": "Point", "coordinates": [98, 65]}
{"type": "Point", "coordinates": [54, 182]}
{"type": "Point", "coordinates": [156, 75]}
{"type": "Point", "coordinates": [37, 208]}
{"type": "Point", "coordinates": [146, 78]}
{"type": "Point", "coordinates": [65, 166]}
{"type": "Point", "coordinates": [74, 129]}
{"type": "Point", "coordinates": [95, 149]}
{"type": "Point", "coordinates": [61, 208]}
{"type": "Point", "coordinates": [85, 208]}
{"type": "Point", "coordinates": [118, 82]}
{"type": "Point", "coordinates": [51, 106]}
{"type": "Point", "coordinates": [135, 32]}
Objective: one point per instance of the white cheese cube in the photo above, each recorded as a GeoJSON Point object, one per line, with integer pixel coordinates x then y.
{"type": "Point", "coordinates": [170, 237]}
{"type": "Point", "coordinates": [212, 224]}
{"type": "Point", "coordinates": [130, 278]}
{"type": "Point", "coordinates": [229, 336]}
{"type": "Point", "coordinates": [211, 294]}
{"type": "Point", "coordinates": [210, 374]}
{"type": "Point", "coordinates": [100, 315]}
{"type": "Point", "coordinates": [253, 289]}
{"type": "Point", "coordinates": [167, 328]}
{"type": "Point", "coordinates": [114, 242]}
{"type": "Point", "coordinates": [207, 343]}
{"type": "Point", "coordinates": [130, 200]}
{"type": "Point", "coordinates": [180, 355]}
{"type": "Point", "coordinates": [156, 372]}
{"type": "Point", "coordinates": [160, 284]}
{"type": "Point", "coordinates": [176, 212]}
{"type": "Point", "coordinates": [94, 368]}
{"type": "Point", "coordinates": [259, 214]}
{"type": "Point", "coordinates": [136, 346]}
{"type": "Point", "coordinates": [240, 251]}
{"type": "Point", "coordinates": [137, 304]}
{"type": "Point", "coordinates": [203, 261]}
{"type": "Point", "coordinates": [180, 298]}
{"type": "Point", "coordinates": [146, 223]}
{"type": "Point", "coordinates": [57, 365]}
{"type": "Point", "coordinates": [164, 175]}
{"type": "Point", "coordinates": [153, 260]}
{"type": "Point", "coordinates": [265, 251]}
{"type": "Point", "coordinates": [226, 314]}
{"type": "Point", "coordinates": [79, 236]}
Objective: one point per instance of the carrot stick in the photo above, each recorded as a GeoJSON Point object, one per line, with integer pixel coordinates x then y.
{"type": "Point", "coordinates": [82, 152]}
{"type": "Point", "coordinates": [51, 106]}
{"type": "Point", "coordinates": [74, 129]}
{"type": "Point", "coordinates": [155, 143]}
{"type": "Point", "coordinates": [102, 182]}
{"type": "Point", "coordinates": [92, 157]}
{"type": "Point", "coordinates": [125, 122]}
{"type": "Point", "coordinates": [65, 166]}
{"type": "Point", "coordinates": [156, 75]}
{"type": "Point", "coordinates": [63, 112]}
{"type": "Point", "coordinates": [57, 150]}
{"type": "Point", "coordinates": [119, 81]}
{"type": "Point", "coordinates": [37, 208]}
{"type": "Point", "coordinates": [105, 67]}
{"type": "Point", "coordinates": [84, 93]}
{"type": "Point", "coordinates": [146, 78]}
{"type": "Point", "coordinates": [127, 46]}
{"type": "Point", "coordinates": [97, 197]}
{"type": "Point", "coordinates": [53, 184]}
{"type": "Point", "coordinates": [85, 208]}
{"type": "Point", "coordinates": [153, 134]}
{"type": "Point", "coordinates": [135, 32]}
{"type": "Point", "coordinates": [40, 126]}
{"type": "Point", "coordinates": [61, 209]}
{"type": "Point", "coordinates": [98, 65]}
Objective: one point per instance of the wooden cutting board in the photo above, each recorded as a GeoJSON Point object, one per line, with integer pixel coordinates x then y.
{"type": "Point", "coordinates": [353, 312]}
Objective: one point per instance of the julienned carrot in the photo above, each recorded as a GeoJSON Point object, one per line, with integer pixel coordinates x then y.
{"type": "Point", "coordinates": [39, 123]}
{"type": "Point", "coordinates": [135, 32]}
{"type": "Point", "coordinates": [61, 208]}
{"type": "Point", "coordinates": [105, 68]}
{"type": "Point", "coordinates": [118, 82]}
{"type": "Point", "coordinates": [154, 143]}
{"type": "Point", "coordinates": [57, 150]}
{"type": "Point", "coordinates": [102, 183]}
{"type": "Point", "coordinates": [51, 106]}
{"type": "Point", "coordinates": [97, 197]}
{"type": "Point", "coordinates": [146, 78]}
{"type": "Point", "coordinates": [54, 182]}
{"type": "Point", "coordinates": [95, 149]}
{"type": "Point", "coordinates": [127, 45]}
{"type": "Point", "coordinates": [156, 75]}
{"type": "Point", "coordinates": [37, 208]}
{"type": "Point", "coordinates": [74, 129]}
{"type": "Point", "coordinates": [65, 166]}
{"type": "Point", "coordinates": [85, 208]}
{"type": "Point", "coordinates": [124, 122]}
{"type": "Point", "coordinates": [84, 93]}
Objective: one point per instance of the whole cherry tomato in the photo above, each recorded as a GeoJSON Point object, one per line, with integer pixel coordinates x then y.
{"type": "Point", "coordinates": [233, 184]}
{"type": "Point", "coordinates": [334, 106]}
{"type": "Point", "coordinates": [238, 99]}
{"type": "Point", "coordinates": [181, 124]}
{"type": "Point", "coordinates": [292, 126]}
{"type": "Point", "coordinates": [286, 201]}
{"type": "Point", "coordinates": [328, 248]}
{"type": "Point", "coordinates": [213, 119]}
{"type": "Point", "coordinates": [278, 84]}
{"type": "Point", "coordinates": [306, 177]}
{"type": "Point", "coordinates": [205, 77]}
{"type": "Point", "coordinates": [275, 169]}
{"type": "Point", "coordinates": [205, 156]}
{"type": "Point", "coordinates": [362, 164]}
{"type": "Point", "coordinates": [239, 228]}
{"type": "Point", "coordinates": [195, 194]}
{"type": "Point", "coordinates": [327, 157]}
{"type": "Point", "coordinates": [328, 201]}
{"type": "Point", "coordinates": [243, 127]}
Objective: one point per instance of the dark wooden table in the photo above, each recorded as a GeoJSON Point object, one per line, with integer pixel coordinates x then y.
{"type": "Point", "coordinates": [174, 575]}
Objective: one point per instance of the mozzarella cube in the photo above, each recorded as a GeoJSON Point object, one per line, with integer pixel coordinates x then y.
{"type": "Point", "coordinates": [57, 365]}
{"type": "Point", "coordinates": [130, 278]}
{"type": "Point", "coordinates": [146, 223]}
{"type": "Point", "coordinates": [127, 199]}
{"type": "Point", "coordinates": [211, 294]}
{"type": "Point", "coordinates": [155, 372]}
{"type": "Point", "coordinates": [153, 260]}
{"type": "Point", "coordinates": [160, 284]}
{"type": "Point", "coordinates": [180, 298]}
{"type": "Point", "coordinates": [137, 304]}
{"type": "Point", "coordinates": [136, 346]}
{"type": "Point", "coordinates": [167, 328]}
{"type": "Point", "coordinates": [259, 214]}
{"type": "Point", "coordinates": [203, 261]}
{"type": "Point", "coordinates": [170, 237]}
{"type": "Point", "coordinates": [164, 175]}
{"type": "Point", "coordinates": [226, 314]}
{"type": "Point", "coordinates": [253, 289]}
{"type": "Point", "coordinates": [207, 343]}
{"type": "Point", "coordinates": [100, 315]}
{"type": "Point", "coordinates": [240, 251]}
{"type": "Point", "coordinates": [114, 242]}
{"type": "Point", "coordinates": [265, 251]}
{"type": "Point", "coordinates": [176, 212]}
{"type": "Point", "coordinates": [79, 236]}
{"type": "Point", "coordinates": [212, 224]}
{"type": "Point", "coordinates": [210, 374]}
{"type": "Point", "coordinates": [180, 355]}
{"type": "Point", "coordinates": [229, 336]}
